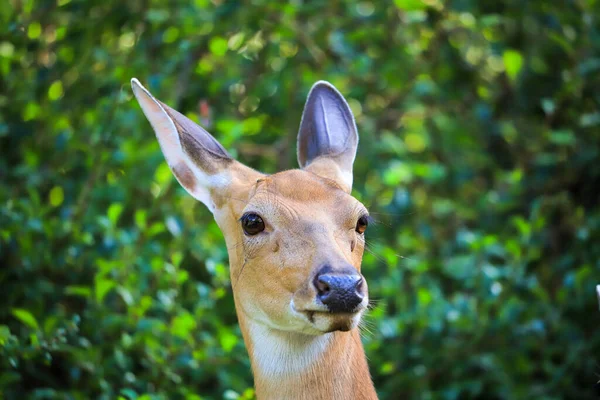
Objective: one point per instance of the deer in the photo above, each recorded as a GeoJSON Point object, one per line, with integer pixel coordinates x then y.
{"type": "Point", "coordinates": [295, 243]}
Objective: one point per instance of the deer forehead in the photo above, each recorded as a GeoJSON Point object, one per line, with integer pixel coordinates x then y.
{"type": "Point", "coordinates": [301, 196]}
{"type": "Point", "coordinates": [301, 185]}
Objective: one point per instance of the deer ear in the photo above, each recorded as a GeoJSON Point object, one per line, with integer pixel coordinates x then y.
{"type": "Point", "coordinates": [200, 164]}
{"type": "Point", "coordinates": [328, 138]}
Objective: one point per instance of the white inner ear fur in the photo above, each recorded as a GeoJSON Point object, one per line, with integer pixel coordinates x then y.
{"type": "Point", "coordinates": [168, 138]}
{"type": "Point", "coordinates": [331, 168]}
{"type": "Point", "coordinates": [345, 176]}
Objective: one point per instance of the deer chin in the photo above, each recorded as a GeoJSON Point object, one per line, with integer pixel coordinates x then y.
{"type": "Point", "coordinates": [318, 320]}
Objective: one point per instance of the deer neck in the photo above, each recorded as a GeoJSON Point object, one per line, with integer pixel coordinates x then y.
{"type": "Point", "coordinates": [297, 366]}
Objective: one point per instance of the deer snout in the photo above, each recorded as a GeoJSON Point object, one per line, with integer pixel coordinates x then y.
{"type": "Point", "coordinates": [340, 291]}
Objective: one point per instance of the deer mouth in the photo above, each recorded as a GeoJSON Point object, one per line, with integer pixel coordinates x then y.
{"type": "Point", "coordinates": [337, 321]}
{"type": "Point", "coordinates": [325, 321]}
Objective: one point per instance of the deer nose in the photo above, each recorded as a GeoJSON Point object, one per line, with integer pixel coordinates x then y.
{"type": "Point", "coordinates": [340, 292]}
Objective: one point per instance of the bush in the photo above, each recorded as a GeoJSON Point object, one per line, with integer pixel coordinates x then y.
{"type": "Point", "coordinates": [479, 156]}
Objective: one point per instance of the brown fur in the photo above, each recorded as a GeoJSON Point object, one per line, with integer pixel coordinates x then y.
{"type": "Point", "coordinates": [298, 349]}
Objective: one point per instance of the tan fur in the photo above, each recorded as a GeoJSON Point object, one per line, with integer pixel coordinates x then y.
{"type": "Point", "coordinates": [298, 349]}
{"type": "Point", "coordinates": [313, 222]}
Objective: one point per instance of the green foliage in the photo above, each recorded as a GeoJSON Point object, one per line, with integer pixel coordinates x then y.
{"type": "Point", "coordinates": [479, 156]}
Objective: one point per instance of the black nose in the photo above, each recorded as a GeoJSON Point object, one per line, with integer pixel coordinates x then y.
{"type": "Point", "coordinates": [340, 292]}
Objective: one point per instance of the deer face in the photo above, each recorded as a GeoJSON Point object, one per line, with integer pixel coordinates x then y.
{"type": "Point", "coordinates": [296, 238]}
{"type": "Point", "coordinates": [298, 245]}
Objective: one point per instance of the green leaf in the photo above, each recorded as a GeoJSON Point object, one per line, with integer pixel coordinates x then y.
{"type": "Point", "coordinates": [171, 34]}
{"type": "Point", "coordinates": [228, 340]}
{"type": "Point", "coordinates": [129, 394]}
{"type": "Point", "coordinates": [34, 30]}
{"type": "Point", "coordinates": [218, 46]}
{"type": "Point", "coordinates": [55, 91]}
{"type": "Point", "coordinates": [415, 142]}
{"type": "Point", "coordinates": [140, 218]}
{"type": "Point", "coordinates": [25, 317]}
{"type": "Point", "coordinates": [236, 41]}
{"type": "Point", "coordinates": [7, 49]}
{"type": "Point", "coordinates": [155, 229]}
{"type": "Point", "coordinates": [513, 61]}
{"type": "Point", "coordinates": [114, 212]}
{"type": "Point", "coordinates": [424, 296]}
{"type": "Point", "coordinates": [125, 295]}
{"type": "Point", "coordinates": [33, 338]}
{"type": "Point", "coordinates": [183, 324]}
{"type": "Point", "coordinates": [163, 173]}
{"type": "Point", "coordinates": [564, 137]}
{"type": "Point", "coordinates": [4, 334]}
{"type": "Point", "coordinates": [56, 196]}
{"type": "Point", "coordinates": [102, 287]}
{"type": "Point", "coordinates": [410, 5]}
{"type": "Point", "coordinates": [590, 119]}
{"type": "Point", "coordinates": [31, 111]}
{"type": "Point", "coordinates": [75, 290]}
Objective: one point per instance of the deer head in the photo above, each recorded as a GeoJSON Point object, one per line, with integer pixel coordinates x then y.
{"type": "Point", "coordinates": [295, 238]}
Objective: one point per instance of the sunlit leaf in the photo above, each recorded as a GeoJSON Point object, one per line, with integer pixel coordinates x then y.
{"type": "Point", "coordinates": [513, 61]}
{"type": "Point", "coordinates": [410, 5]}
{"type": "Point", "coordinates": [218, 46]}
{"type": "Point", "coordinates": [25, 317]}
{"type": "Point", "coordinates": [34, 30]}
{"type": "Point", "coordinates": [57, 196]}
{"type": "Point", "coordinates": [55, 91]}
{"type": "Point", "coordinates": [102, 287]}
{"type": "Point", "coordinates": [114, 212]}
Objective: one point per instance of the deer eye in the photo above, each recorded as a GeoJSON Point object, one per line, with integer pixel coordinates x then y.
{"type": "Point", "coordinates": [252, 224]}
{"type": "Point", "coordinates": [361, 224]}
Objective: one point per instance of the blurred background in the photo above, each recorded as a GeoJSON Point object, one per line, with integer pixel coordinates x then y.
{"type": "Point", "coordinates": [479, 159]}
